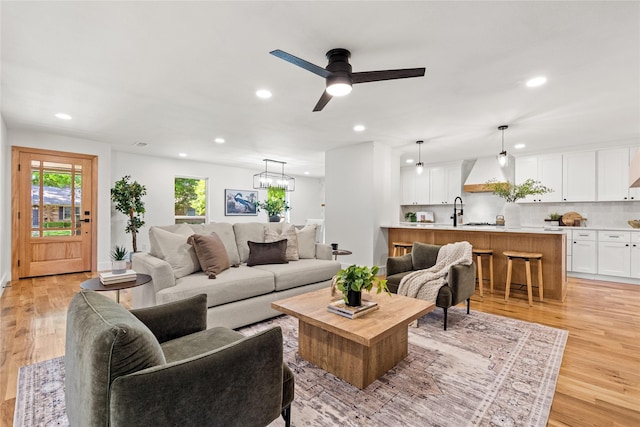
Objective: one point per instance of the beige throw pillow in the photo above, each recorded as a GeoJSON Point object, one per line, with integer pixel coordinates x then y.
{"type": "Point", "coordinates": [173, 248]}
{"type": "Point", "coordinates": [288, 233]}
{"type": "Point", "coordinates": [307, 242]}
{"type": "Point", "coordinates": [211, 253]}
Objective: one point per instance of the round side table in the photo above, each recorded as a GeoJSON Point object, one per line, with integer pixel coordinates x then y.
{"type": "Point", "coordinates": [96, 285]}
{"type": "Point", "coordinates": [337, 252]}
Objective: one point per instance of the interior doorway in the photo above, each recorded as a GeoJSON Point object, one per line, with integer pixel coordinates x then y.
{"type": "Point", "coordinates": [53, 212]}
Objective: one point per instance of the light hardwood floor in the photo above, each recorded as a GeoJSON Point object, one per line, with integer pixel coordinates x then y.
{"type": "Point", "coordinates": [599, 382]}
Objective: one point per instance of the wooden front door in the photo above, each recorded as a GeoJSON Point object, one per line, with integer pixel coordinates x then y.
{"type": "Point", "coordinates": [53, 212]}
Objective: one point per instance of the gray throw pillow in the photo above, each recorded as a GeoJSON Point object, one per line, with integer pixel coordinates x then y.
{"type": "Point", "coordinates": [267, 253]}
{"type": "Point", "coordinates": [307, 242]}
{"type": "Point", "coordinates": [211, 253]}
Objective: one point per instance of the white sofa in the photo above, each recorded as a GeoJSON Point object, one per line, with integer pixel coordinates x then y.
{"type": "Point", "coordinates": [240, 295]}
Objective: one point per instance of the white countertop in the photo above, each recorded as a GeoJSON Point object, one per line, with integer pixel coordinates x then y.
{"type": "Point", "coordinates": [548, 230]}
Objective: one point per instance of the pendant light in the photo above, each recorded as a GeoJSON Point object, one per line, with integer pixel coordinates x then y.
{"type": "Point", "coordinates": [271, 178]}
{"type": "Point", "coordinates": [503, 159]}
{"type": "Point", "coordinates": [419, 165]}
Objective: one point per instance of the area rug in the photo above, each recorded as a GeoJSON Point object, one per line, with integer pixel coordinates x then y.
{"type": "Point", "coordinates": [485, 370]}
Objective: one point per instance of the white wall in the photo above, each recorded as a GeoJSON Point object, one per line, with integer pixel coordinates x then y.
{"type": "Point", "coordinates": [5, 214]}
{"type": "Point", "coordinates": [361, 194]}
{"type": "Point", "coordinates": [157, 175]}
{"type": "Point", "coordinates": [48, 141]}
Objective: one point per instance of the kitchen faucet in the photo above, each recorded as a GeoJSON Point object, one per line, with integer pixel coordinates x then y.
{"type": "Point", "coordinates": [455, 211]}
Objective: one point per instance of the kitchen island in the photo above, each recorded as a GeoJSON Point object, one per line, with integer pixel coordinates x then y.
{"type": "Point", "coordinates": [550, 243]}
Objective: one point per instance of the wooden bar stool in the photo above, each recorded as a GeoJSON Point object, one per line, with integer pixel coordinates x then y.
{"type": "Point", "coordinates": [405, 247]}
{"type": "Point", "coordinates": [527, 257]}
{"type": "Point", "coordinates": [478, 253]}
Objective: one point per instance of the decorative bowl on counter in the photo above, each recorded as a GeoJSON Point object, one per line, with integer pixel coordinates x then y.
{"type": "Point", "coordinates": [635, 223]}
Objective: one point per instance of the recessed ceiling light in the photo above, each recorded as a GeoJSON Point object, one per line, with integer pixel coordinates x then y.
{"type": "Point", "coordinates": [359, 128]}
{"type": "Point", "coordinates": [140, 144]}
{"type": "Point", "coordinates": [409, 161]}
{"type": "Point", "coordinates": [519, 146]}
{"type": "Point", "coordinates": [537, 81]}
{"type": "Point", "coordinates": [63, 116]}
{"type": "Point", "coordinates": [306, 172]}
{"type": "Point", "coordinates": [219, 140]}
{"type": "Point", "coordinates": [263, 93]}
{"type": "Point", "coordinates": [182, 154]}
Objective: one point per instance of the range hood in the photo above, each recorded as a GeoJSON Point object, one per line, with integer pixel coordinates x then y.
{"type": "Point", "coordinates": [485, 169]}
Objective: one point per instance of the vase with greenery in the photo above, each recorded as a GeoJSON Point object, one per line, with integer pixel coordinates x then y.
{"type": "Point", "coordinates": [275, 205]}
{"type": "Point", "coordinates": [511, 193]}
{"type": "Point", "coordinates": [127, 197]}
{"type": "Point", "coordinates": [118, 259]}
{"type": "Point", "coordinates": [351, 281]}
{"type": "Point", "coordinates": [411, 216]}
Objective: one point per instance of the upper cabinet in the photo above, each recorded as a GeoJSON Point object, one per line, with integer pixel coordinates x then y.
{"type": "Point", "coordinates": [415, 188]}
{"type": "Point", "coordinates": [613, 175]}
{"type": "Point", "coordinates": [547, 170]}
{"type": "Point", "coordinates": [445, 183]}
{"type": "Point", "coordinates": [579, 176]}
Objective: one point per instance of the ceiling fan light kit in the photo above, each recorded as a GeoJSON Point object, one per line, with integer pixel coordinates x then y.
{"type": "Point", "coordinates": [503, 159]}
{"type": "Point", "coordinates": [338, 75]}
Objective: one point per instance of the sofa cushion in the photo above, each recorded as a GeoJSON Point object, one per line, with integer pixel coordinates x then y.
{"type": "Point", "coordinates": [307, 242]}
{"type": "Point", "coordinates": [225, 231]}
{"type": "Point", "coordinates": [199, 343]}
{"type": "Point", "coordinates": [244, 232]}
{"type": "Point", "coordinates": [267, 253]}
{"type": "Point", "coordinates": [173, 248]}
{"type": "Point", "coordinates": [303, 272]}
{"type": "Point", "coordinates": [289, 234]}
{"type": "Point", "coordinates": [212, 255]}
{"type": "Point", "coordinates": [230, 285]}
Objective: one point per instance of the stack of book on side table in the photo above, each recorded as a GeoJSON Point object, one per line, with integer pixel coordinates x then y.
{"type": "Point", "coordinates": [109, 278]}
{"type": "Point", "coordinates": [341, 308]}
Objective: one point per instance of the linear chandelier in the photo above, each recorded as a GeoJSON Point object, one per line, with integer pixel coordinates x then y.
{"type": "Point", "coordinates": [272, 178]}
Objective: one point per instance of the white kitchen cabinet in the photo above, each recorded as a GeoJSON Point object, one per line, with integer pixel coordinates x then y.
{"type": "Point", "coordinates": [568, 248]}
{"type": "Point", "coordinates": [613, 175]}
{"type": "Point", "coordinates": [445, 182]}
{"type": "Point", "coordinates": [584, 251]}
{"type": "Point", "coordinates": [614, 253]}
{"type": "Point", "coordinates": [547, 170]}
{"type": "Point", "coordinates": [635, 255]}
{"type": "Point", "coordinates": [579, 176]}
{"type": "Point", "coordinates": [414, 187]}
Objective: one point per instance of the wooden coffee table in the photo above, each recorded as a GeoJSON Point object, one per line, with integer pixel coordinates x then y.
{"type": "Point", "coordinates": [357, 350]}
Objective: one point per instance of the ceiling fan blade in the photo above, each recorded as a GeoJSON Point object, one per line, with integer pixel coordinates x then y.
{"type": "Point", "coordinates": [324, 99]}
{"type": "Point", "coordinates": [301, 63]}
{"type": "Point", "coordinates": [375, 76]}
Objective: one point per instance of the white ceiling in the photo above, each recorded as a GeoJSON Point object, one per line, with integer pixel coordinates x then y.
{"type": "Point", "coordinates": [178, 74]}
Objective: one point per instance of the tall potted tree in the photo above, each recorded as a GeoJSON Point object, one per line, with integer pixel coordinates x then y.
{"type": "Point", "coordinates": [127, 197]}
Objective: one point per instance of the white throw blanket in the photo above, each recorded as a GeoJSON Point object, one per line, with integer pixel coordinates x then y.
{"type": "Point", "coordinates": [425, 284]}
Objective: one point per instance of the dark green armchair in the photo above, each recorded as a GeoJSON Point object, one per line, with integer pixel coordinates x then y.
{"type": "Point", "coordinates": [161, 366]}
{"type": "Point", "coordinates": [461, 278]}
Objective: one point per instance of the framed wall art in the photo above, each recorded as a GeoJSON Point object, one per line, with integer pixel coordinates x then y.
{"type": "Point", "coordinates": [240, 202]}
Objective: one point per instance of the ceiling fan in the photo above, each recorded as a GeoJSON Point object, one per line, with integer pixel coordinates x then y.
{"type": "Point", "coordinates": [338, 75]}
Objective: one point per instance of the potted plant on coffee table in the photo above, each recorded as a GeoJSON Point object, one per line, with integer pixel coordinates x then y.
{"type": "Point", "coordinates": [351, 281]}
{"type": "Point", "coordinates": [118, 260]}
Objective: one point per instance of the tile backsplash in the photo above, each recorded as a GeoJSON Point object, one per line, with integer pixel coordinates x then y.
{"type": "Point", "coordinates": [483, 207]}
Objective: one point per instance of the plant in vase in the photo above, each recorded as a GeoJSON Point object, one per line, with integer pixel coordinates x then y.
{"type": "Point", "coordinates": [411, 216]}
{"type": "Point", "coordinates": [275, 205]}
{"type": "Point", "coordinates": [118, 259]}
{"type": "Point", "coordinates": [127, 197]}
{"type": "Point", "coordinates": [351, 281]}
{"type": "Point", "coordinates": [513, 192]}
